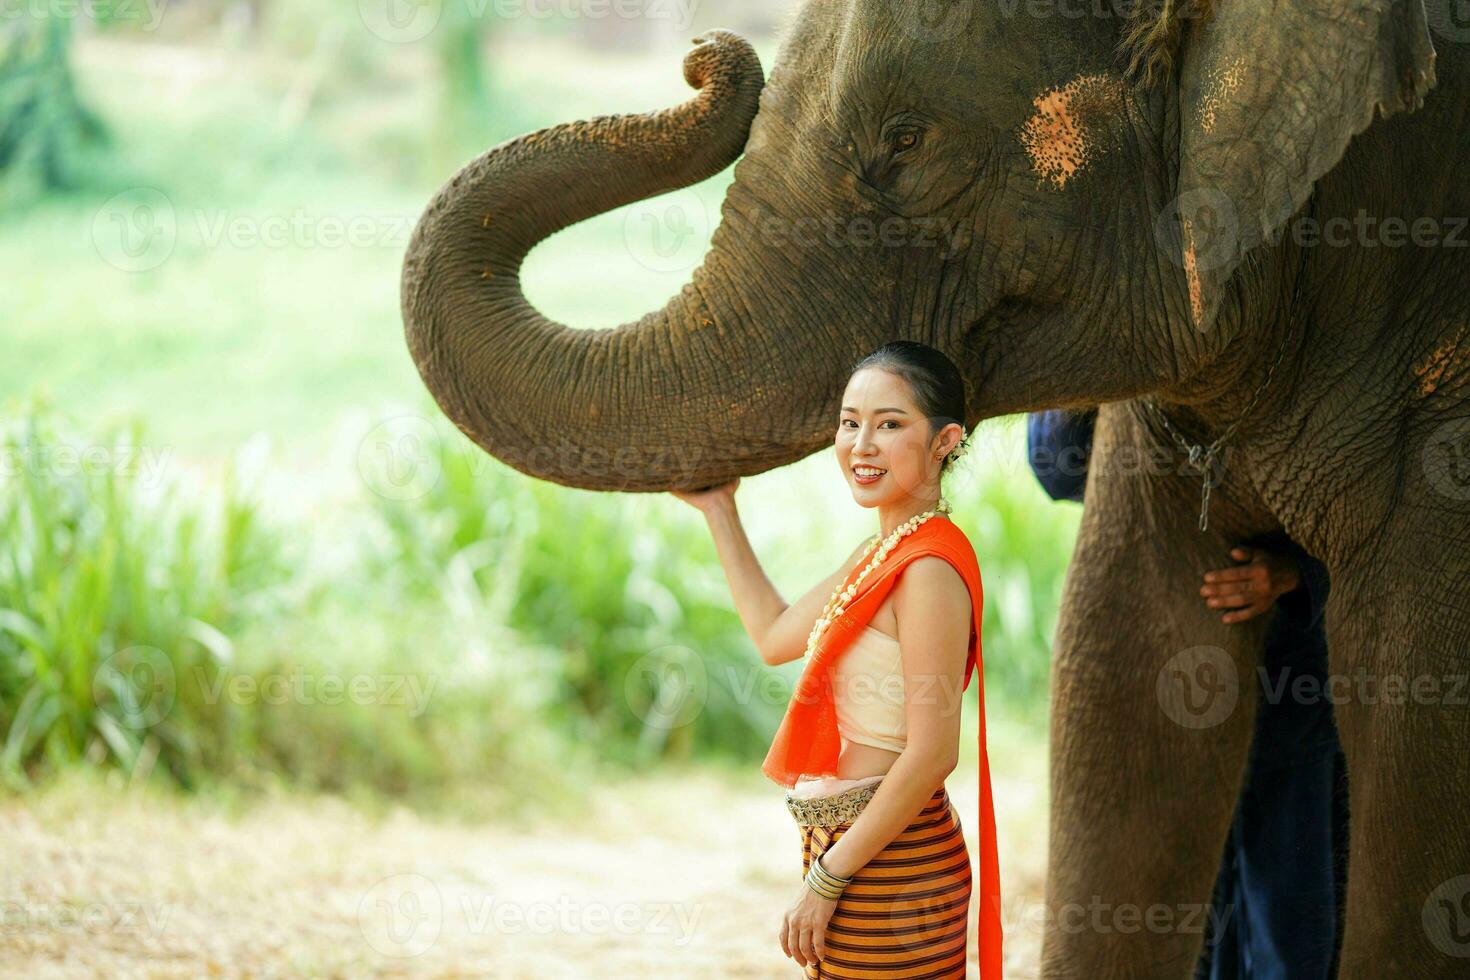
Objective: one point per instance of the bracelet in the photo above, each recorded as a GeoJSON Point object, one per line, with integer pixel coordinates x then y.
{"type": "Point", "coordinates": [822, 889]}
{"type": "Point", "coordinates": [824, 882]}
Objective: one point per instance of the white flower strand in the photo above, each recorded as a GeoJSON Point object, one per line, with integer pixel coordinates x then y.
{"type": "Point", "coordinates": [837, 604]}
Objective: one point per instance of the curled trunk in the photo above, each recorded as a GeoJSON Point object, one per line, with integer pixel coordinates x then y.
{"type": "Point", "coordinates": [636, 407]}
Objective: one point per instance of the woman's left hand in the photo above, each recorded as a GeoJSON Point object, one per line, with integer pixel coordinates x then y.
{"type": "Point", "coordinates": [1250, 588]}
{"type": "Point", "coordinates": [804, 929]}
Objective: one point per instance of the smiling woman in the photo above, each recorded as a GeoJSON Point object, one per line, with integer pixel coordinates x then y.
{"type": "Point", "coordinates": [872, 729]}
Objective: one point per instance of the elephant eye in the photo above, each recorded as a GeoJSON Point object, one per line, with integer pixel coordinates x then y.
{"type": "Point", "coordinates": [905, 141]}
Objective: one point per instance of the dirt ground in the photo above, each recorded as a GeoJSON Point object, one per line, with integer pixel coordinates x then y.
{"type": "Point", "coordinates": [663, 877]}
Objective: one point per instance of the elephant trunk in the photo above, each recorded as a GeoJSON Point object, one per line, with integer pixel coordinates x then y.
{"type": "Point", "coordinates": [643, 406]}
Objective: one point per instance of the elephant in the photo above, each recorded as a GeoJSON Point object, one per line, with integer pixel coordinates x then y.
{"type": "Point", "coordinates": [1144, 208]}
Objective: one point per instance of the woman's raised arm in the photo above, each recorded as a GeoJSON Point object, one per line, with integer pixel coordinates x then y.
{"type": "Point", "coordinates": [779, 630]}
{"type": "Point", "coordinates": [786, 638]}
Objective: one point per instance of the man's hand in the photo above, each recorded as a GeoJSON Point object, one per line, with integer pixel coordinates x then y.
{"type": "Point", "coordinates": [1250, 589]}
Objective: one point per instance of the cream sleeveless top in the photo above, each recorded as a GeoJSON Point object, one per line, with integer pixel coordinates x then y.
{"type": "Point", "coordinates": [867, 692]}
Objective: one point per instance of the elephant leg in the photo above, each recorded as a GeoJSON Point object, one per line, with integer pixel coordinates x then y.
{"type": "Point", "coordinates": [1153, 704]}
{"type": "Point", "coordinates": [1400, 685]}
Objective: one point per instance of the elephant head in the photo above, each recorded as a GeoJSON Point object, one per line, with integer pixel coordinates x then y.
{"type": "Point", "coordinates": [993, 181]}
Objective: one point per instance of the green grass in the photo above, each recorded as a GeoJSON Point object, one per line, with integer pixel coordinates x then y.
{"type": "Point", "coordinates": [153, 624]}
{"type": "Point", "coordinates": [112, 592]}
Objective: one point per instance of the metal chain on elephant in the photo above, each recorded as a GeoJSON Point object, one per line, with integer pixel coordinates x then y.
{"type": "Point", "coordinates": [1202, 457]}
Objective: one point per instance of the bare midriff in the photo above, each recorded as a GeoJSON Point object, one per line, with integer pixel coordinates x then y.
{"type": "Point", "coordinates": [857, 760]}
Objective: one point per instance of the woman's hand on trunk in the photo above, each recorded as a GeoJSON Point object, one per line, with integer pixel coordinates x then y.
{"type": "Point", "coordinates": [709, 499]}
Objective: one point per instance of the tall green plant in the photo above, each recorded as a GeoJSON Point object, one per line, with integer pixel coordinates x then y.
{"type": "Point", "coordinates": [116, 597]}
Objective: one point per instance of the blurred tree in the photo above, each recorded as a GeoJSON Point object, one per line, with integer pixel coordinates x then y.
{"type": "Point", "coordinates": [44, 126]}
{"type": "Point", "coordinates": [462, 123]}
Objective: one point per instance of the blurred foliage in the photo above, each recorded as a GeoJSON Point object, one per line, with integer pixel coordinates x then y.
{"type": "Point", "coordinates": [44, 127]}
{"type": "Point", "coordinates": [112, 594]}
{"type": "Point", "coordinates": [1023, 541]}
{"type": "Point", "coordinates": [650, 659]}
{"type": "Point", "coordinates": [462, 122]}
{"type": "Point", "coordinates": [148, 625]}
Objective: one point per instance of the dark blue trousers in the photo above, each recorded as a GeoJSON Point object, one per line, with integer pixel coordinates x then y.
{"type": "Point", "coordinates": [1277, 911]}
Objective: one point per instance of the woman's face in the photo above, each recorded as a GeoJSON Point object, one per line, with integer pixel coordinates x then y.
{"type": "Point", "coordinates": [881, 429]}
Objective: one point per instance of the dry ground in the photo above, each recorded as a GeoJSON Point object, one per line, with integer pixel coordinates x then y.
{"type": "Point", "coordinates": [663, 877]}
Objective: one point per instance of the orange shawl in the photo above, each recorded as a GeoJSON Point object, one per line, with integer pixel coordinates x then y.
{"type": "Point", "coordinates": [808, 743]}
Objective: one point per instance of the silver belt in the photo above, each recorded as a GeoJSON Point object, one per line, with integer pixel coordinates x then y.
{"type": "Point", "coordinates": [829, 811]}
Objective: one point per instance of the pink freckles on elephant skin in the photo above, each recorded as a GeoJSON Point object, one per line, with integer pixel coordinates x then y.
{"type": "Point", "coordinates": [1220, 85]}
{"type": "Point", "coordinates": [1191, 272]}
{"type": "Point", "coordinates": [1067, 131]}
{"type": "Point", "coordinates": [1445, 364]}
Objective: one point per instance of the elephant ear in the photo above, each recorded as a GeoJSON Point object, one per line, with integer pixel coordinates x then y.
{"type": "Point", "coordinates": [1269, 96]}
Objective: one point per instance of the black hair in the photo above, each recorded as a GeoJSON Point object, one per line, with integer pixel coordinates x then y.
{"type": "Point", "coordinates": [937, 385]}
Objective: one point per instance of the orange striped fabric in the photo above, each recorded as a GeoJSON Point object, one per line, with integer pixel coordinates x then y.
{"type": "Point", "coordinates": [904, 914]}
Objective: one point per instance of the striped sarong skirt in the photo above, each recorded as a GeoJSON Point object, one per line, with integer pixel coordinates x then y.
{"type": "Point", "coordinates": [906, 912]}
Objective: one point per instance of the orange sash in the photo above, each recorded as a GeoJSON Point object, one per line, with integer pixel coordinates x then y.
{"type": "Point", "coordinates": [808, 742]}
